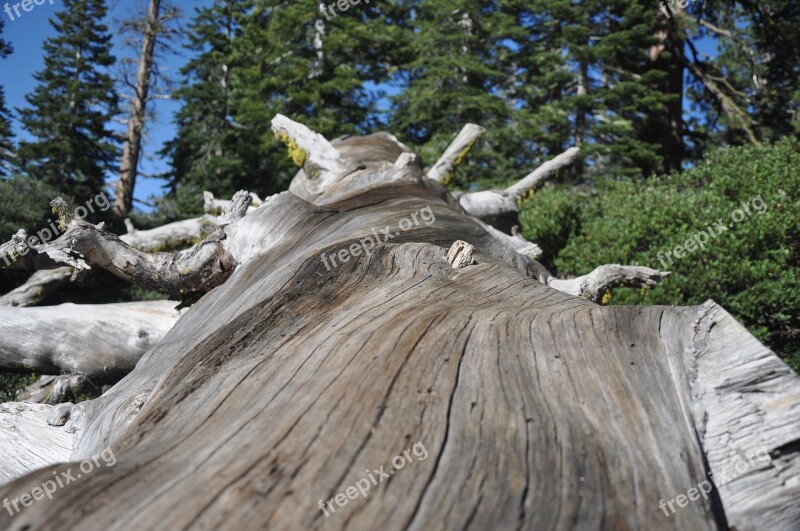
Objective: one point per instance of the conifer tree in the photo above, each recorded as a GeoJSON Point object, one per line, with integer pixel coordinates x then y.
{"type": "Point", "coordinates": [72, 107]}
{"type": "Point", "coordinates": [586, 78]}
{"type": "Point", "coordinates": [542, 76]}
{"type": "Point", "coordinates": [211, 150]}
{"type": "Point", "coordinates": [257, 58]}
{"type": "Point", "coordinates": [455, 76]}
{"type": "Point", "coordinates": [6, 135]}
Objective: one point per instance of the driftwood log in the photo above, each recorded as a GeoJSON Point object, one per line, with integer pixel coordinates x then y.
{"type": "Point", "coordinates": [372, 356]}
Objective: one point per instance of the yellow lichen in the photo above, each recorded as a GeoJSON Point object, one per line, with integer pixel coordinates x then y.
{"type": "Point", "coordinates": [457, 162]}
{"type": "Point", "coordinates": [298, 155]}
{"type": "Point", "coordinates": [61, 210]}
{"type": "Point", "coordinates": [606, 297]}
{"type": "Point", "coordinates": [527, 196]}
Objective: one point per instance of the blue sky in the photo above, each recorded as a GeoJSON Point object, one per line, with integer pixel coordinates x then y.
{"type": "Point", "coordinates": [27, 34]}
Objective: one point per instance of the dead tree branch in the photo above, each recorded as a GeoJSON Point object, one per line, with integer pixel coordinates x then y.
{"type": "Point", "coordinates": [455, 153]}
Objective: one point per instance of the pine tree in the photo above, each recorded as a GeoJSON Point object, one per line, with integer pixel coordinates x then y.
{"type": "Point", "coordinates": [262, 57]}
{"type": "Point", "coordinates": [455, 76]}
{"type": "Point", "coordinates": [73, 104]}
{"type": "Point", "coordinates": [542, 76]}
{"type": "Point", "coordinates": [211, 150]}
{"type": "Point", "coordinates": [6, 135]}
{"type": "Point", "coordinates": [588, 78]}
{"type": "Point", "coordinates": [311, 67]}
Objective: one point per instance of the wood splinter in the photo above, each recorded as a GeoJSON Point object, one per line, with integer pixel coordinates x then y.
{"type": "Point", "coordinates": [460, 254]}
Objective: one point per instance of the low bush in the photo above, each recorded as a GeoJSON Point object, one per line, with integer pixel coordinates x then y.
{"type": "Point", "coordinates": [752, 269]}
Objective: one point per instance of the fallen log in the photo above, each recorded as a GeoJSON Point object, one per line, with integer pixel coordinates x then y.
{"type": "Point", "coordinates": [102, 341]}
{"type": "Point", "coordinates": [470, 397]}
{"type": "Point", "coordinates": [38, 287]}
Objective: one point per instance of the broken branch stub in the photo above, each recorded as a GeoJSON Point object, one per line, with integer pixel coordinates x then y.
{"type": "Point", "coordinates": [455, 153]}
{"type": "Point", "coordinates": [543, 173]}
{"type": "Point", "coordinates": [595, 285]}
{"type": "Point", "coordinates": [499, 207]}
{"type": "Point", "coordinates": [215, 207]}
{"type": "Point", "coordinates": [309, 150]}
{"type": "Point", "coordinates": [460, 254]}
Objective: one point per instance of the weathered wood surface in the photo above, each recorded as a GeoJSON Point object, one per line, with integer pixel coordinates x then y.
{"type": "Point", "coordinates": [28, 442]}
{"type": "Point", "coordinates": [101, 341]}
{"type": "Point", "coordinates": [537, 409]}
{"type": "Point", "coordinates": [443, 169]}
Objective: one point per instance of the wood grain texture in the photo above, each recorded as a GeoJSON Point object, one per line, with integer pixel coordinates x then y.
{"type": "Point", "coordinates": [29, 443]}
{"type": "Point", "coordinates": [97, 340]}
{"type": "Point", "coordinates": [537, 409]}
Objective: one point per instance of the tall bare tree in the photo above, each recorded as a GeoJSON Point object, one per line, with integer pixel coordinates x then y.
{"type": "Point", "coordinates": [154, 27]}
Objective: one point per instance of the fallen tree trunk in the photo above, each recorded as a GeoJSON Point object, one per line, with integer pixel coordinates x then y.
{"type": "Point", "coordinates": [181, 274]}
{"type": "Point", "coordinates": [102, 341]}
{"type": "Point", "coordinates": [38, 287]}
{"type": "Point", "coordinates": [347, 375]}
{"type": "Point", "coordinates": [177, 235]}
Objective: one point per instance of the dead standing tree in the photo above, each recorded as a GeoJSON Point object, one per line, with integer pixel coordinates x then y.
{"type": "Point", "coordinates": [287, 379]}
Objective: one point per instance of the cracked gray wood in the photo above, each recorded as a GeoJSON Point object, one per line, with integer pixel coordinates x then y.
{"type": "Point", "coordinates": [102, 341]}
{"type": "Point", "coordinates": [538, 409]}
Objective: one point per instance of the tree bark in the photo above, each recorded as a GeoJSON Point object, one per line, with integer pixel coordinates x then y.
{"type": "Point", "coordinates": [512, 405]}
{"type": "Point", "coordinates": [668, 124]}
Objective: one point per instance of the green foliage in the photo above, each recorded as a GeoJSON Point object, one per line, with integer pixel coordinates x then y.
{"type": "Point", "coordinates": [586, 79]}
{"type": "Point", "coordinates": [452, 77]}
{"type": "Point", "coordinates": [552, 217]}
{"type": "Point", "coordinates": [753, 269]}
{"type": "Point", "coordinates": [540, 75]}
{"type": "Point", "coordinates": [256, 58]}
{"type": "Point", "coordinates": [71, 110]}
{"type": "Point", "coordinates": [25, 204]}
{"type": "Point", "coordinates": [760, 63]}
{"type": "Point", "coordinates": [11, 384]}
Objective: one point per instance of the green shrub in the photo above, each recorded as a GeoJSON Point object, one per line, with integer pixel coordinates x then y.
{"type": "Point", "coordinates": [551, 217]}
{"type": "Point", "coordinates": [753, 269]}
{"type": "Point", "coordinates": [24, 204]}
